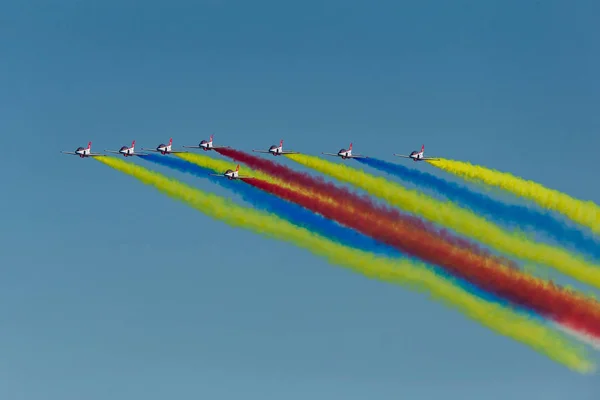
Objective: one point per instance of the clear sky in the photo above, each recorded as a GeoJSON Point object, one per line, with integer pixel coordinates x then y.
{"type": "Point", "coordinates": [111, 290]}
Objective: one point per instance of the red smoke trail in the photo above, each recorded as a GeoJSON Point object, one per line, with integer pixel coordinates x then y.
{"type": "Point", "coordinates": [325, 189]}
{"type": "Point", "coordinates": [536, 294]}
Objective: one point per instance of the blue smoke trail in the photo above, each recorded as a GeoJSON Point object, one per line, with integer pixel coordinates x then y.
{"type": "Point", "coordinates": [314, 222]}
{"type": "Point", "coordinates": [513, 214]}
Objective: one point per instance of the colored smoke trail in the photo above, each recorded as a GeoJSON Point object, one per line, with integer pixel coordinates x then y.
{"type": "Point", "coordinates": [290, 211]}
{"type": "Point", "coordinates": [486, 205]}
{"type": "Point", "coordinates": [543, 297]}
{"type": "Point", "coordinates": [459, 219]}
{"type": "Point", "coordinates": [221, 166]}
{"type": "Point", "coordinates": [586, 213]}
{"type": "Point", "coordinates": [302, 217]}
{"type": "Point", "coordinates": [360, 204]}
{"type": "Point", "coordinates": [413, 275]}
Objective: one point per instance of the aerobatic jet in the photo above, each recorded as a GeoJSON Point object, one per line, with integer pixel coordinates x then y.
{"type": "Point", "coordinates": [127, 151]}
{"type": "Point", "coordinates": [231, 175]}
{"type": "Point", "coordinates": [276, 150]}
{"type": "Point", "coordinates": [345, 153]}
{"type": "Point", "coordinates": [417, 155]}
{"type": "Point", "coordinates": [207, 145]}
{"type": "Point", "coordinates": [83, 152]}
{"type": "Point", "coordinates": [164, 148]}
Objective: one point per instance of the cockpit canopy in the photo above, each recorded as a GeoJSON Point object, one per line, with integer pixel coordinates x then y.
{"type": "Point", "coordinates": [203, 142]}
{"type": "Point", "coordinates": [229, 171]}
{"type": "Point", "coordinates": [123, 148]}
{"type": "Point", "coordinates": [272, 147]}
{"type": "Point", "coordinates": [161, 145]}
{"type": "Point", "coordinates": [80, 148]}
{"type": "Point", "coordinates": [342, 151]}
{"type": "Point", "coordinates": [414, 152]}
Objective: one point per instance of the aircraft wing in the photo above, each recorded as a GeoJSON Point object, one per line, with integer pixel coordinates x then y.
{"type": "Point", "coordinates": [70, 152]}
{"type": "Point", "coordinates": [112, 151]}
{"type": "Point", "coordinates": [154, 150]}
{"type": "Point", "coordinates": [429, 158]}
{"type": "Point", "coordinates": [289, 152]}
{"type": "Point", "coordinates": [358, 156]}
{"type": "Point", "coordinates": [221, 175]}
{"type": "Point", "coordinates": [261, 151]}
{"type": "Point", "coordinates": [192, 147]}
{"type": "Point", "coordinates": [331, 154]}
{"type": "Point", "coordinates": [221, 147]}
{"type": "Point", "coordinates": [401, 155]}
{"type": "Point", "coordinates": [176, 151]}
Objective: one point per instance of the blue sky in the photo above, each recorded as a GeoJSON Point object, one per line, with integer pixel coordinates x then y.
{"type": "Point", "coordinates": [110, 289]}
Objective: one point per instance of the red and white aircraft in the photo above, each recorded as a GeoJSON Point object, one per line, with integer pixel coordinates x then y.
{"type": "Point", "coordinates": [164, 148]}
{"type": "Point", "coordinates": [231, 175]}
{"type": "Point", "coordinates": [127, 151]}
{"type": "Point", "coordinates": [81, 152]}
{"type": "Point", "coordinates": [345, 153]}
{"type": "Point", "coordinates": [206, 145]}
{"type": "Point", "coordinates": [417, 155]}
{"type": "Point", "coordinates": [276, 151]}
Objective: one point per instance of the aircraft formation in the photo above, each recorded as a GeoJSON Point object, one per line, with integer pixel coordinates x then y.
{"type": "Point", "coordinates": [208, 145]}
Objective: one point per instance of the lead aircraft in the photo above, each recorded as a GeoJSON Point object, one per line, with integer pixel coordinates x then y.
{"type": "Point", "coordinates": [417, 155]}
{"type": "Point", "coordinates": [345, 153]}
{"type": "Point", "coordinates": [276, 150]}
{"type": "Point", "coordinates": [81, 152]}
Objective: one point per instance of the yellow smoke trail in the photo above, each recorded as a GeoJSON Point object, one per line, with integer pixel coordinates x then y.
{"type": "Point", "coordinates": [586, 213]}
{"type": "Point", "coordinates": [459, 219]}
{"type": "Point", "coordinates": [417, 276]}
